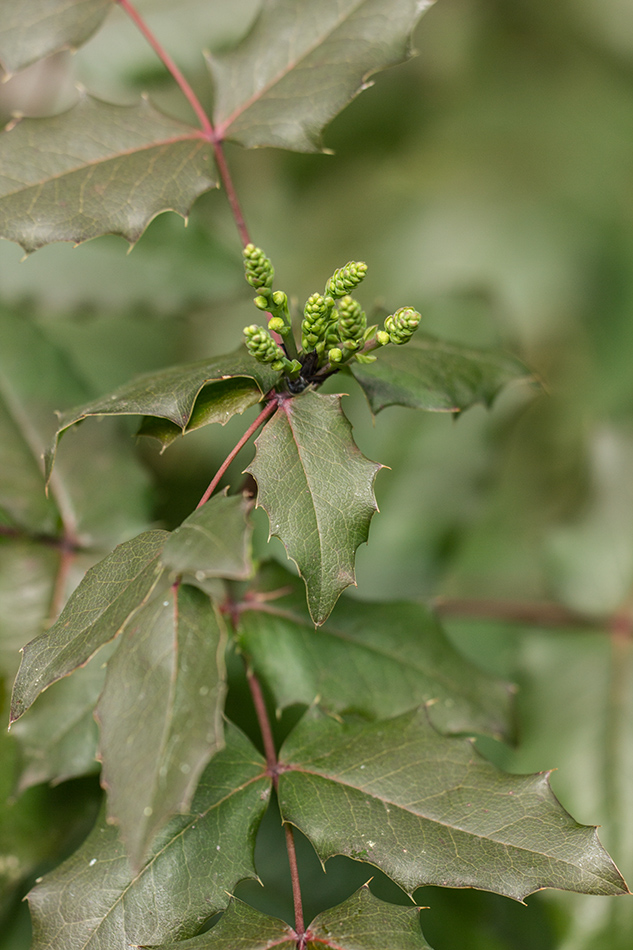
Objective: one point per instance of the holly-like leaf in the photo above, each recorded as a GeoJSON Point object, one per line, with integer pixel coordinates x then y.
{"type": "Point", "coordinates": [95, 901]}
{"type": "Point", "coordinates": [231, 384]}
{"type": "Point", "coordinates": [100, 169]}
{"type": "Point", "coordinates": [160, 713]}
{"type": "Point", "coordinates": [434, 375]}
{"type": "Point", "coordinates": [373, 659]}
{"type": "Point", "coordinates": [362, 922]}
{"type": "Point", "coordinates": [32, 29]}
{"type": "Point", "coordinates": [214, 541]}
{"type": "Point", "coordinates": [302, 63]}
{"type": "Point", "coordinates": [427, 809]}
{"type": "Point", "coordinates": [96, 612]}
{"type": "Point", "coordinates": [317, 489]}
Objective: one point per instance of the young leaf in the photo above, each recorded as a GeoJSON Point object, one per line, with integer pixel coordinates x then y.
{"type": "Point", "coordinates": [160, 713]}
{"type": "Point", "coordinates": [96, 612]}
{"type": "Point", "coordinates": [434, 375]}
{"type": "Point", "coordinates": [100, 169]}
{"type": "Point", "coordinates": [214, 541]}
{"type": "Point", "coordinates": [376, 660]}
{"type": "Point", "coordinates": [302, 63]}
{"type": "Point", "coordinates": [33, 29]}
{"type": "Point", "coordinates": [317, 489]}
{"type": "Point", "coordinates": [362, 922]}
{"type": "Point", "coordinates": [231, 384]}
{"type": "Point", "coordinates": [94, 900]}
{"type": "Point", "coordinates": [427, 809]}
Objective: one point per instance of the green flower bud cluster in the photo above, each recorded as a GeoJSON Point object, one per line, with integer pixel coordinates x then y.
{"type": "Point", "coordinates": [352, 321]}
{"type": "Point", "coordinates": [261, 345]}
{"type": "Point", "coordinates": [258, 269]}
{"type": "Point", "coordinates": [318, 316]}
{"type": "Point", "coordinates": [343, 280]}
{"type": "Point", "coordinates": [402, 324]}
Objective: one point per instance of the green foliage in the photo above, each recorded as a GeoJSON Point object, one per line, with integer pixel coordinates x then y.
{"type": "Point", "coordinates": [168, 660]}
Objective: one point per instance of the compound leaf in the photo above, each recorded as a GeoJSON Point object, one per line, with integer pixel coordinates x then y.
{"type": "Point", "coordinates": [427, 809]}
{"type": "Point", "coordinates": [160, 713]}
{"type": "Point", "coordinates": [95, 901]}
{"type": "Point", "coordinates": [434, 375]}
{"type": "Point", "coordinates": [373, 659]}
{"type": "Point", "coordinates": [317, 489]}
{"type": "Point", "coordinates": [100, 169]}
{"type": "Point", "coordinates": [362, 922]}
{"type": "Point", "coordinates": [302, 63]}
{"type": "Point", "coordinates": [231, 384]}
{"type": "Point", "coordinates": [214, 541]}
{"type": "Point", "coordinates": [32, 29]}
{"type": "Point", "coordinates": [96, 612]}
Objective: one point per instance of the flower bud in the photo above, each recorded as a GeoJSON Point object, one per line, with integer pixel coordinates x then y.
{"type": "Point", "coordinates": [276, 324]}
{"type": "Point", "coordinates": [352, 321]}
{"type": "Point", "coordinates": [382, 337]}
{"type": "Point", "coordinates": [335, 355]}
{"type": "Point", "coordinates": [258, 270]}
{"type": "Point", "coordinates": [261, 345]}
{"type": "Point", "coordinates": [343, 280]}
{"type": "Point", "coordinates": [402, 324]}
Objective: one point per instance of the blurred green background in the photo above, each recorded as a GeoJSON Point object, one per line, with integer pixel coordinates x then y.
{"type": "Point", "coordinates": [489, 183]}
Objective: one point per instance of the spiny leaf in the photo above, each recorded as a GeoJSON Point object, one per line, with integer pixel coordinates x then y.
{"type": "Point", "coordinates": [171, 395]}
{"type": "Point", "coordinates": [317, 489]}
{"type": "Point", "coordinates": [434, 375]}
{"type": "Point", "coordinates": [302, 63]}
{"type": "Point", "coordinates": [96, 902]}
{"type": "Point", "coordinates": [362, 922]}
{"type": "Point", "coordinates": [32, 29]}
{"type": "Point", "coordinates": [160, 713]}
{"type": "Point", "coordinates": [374, 659]}
{"type": "Point", "coordinates": [109, 593]}
{"type": "Point", "coordinates": [427, 809]}
{"type": "Point", "coordinates": [214, 541]}
{"type": "Point", "coordinates": [97, 169]}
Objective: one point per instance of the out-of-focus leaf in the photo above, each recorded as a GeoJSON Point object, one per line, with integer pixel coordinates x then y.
{"type": "Point", "coordinates": [27, 578]}
{"type": "Point", "coordinates": [214, 541]}
{"type": "Point", "coordinates": [304, 62]}
{"type": "Point", "coordinates": [97, 611]}
{"type": "Point", "coordinates": [317, 489]}
{"type": "Point", "coordinates": [233, 382]}
{"type": "Point", "coordinates": [377, 660]}
{"type": "Point", "coordinates": [427, 809]}
{"type": "Point", "coordinates": [434, 375]}
{"type": "Point", "coordinates": [32, 29]}
{"type": "Point", "coordinates": [160, 713]}
{"type": "Point", "coordinates": [95, 900]}
{"type": "Point", "coordinates": [58, 735]}
{"type": "Point", "coordinates": [362, 922]}
{"type": "Point", "coordinates": [101, 169]}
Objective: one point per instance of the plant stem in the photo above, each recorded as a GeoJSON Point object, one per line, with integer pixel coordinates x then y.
{"type": "Point", "coordinates": [524, 612]}
{"type": "Point", "coordinates": [268, 410]}
{"type": "Point", "coordinates": [273, 768]}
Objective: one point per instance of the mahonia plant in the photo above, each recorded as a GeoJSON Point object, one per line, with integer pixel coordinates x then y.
{"type": "Point", "coordinates": [375, 763]}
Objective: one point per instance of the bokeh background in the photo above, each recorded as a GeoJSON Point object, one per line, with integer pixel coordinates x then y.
{"type": "Point", "coordinates": [489, 183]}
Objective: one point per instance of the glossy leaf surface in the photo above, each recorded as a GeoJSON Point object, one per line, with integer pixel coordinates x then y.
{"type": "Point", "coordinates": [171, 395]}
{"type": "Point", "coordinates": [109, 593]}
{"type": "Point", "coordinates": [214, 541]}
{"type": "Point", "coordinates": [427, 809]}
{"type": "Point", "coordinates": [160, 713]}
{"type": "Point", "coordinates": [362, 922]}
{"type": "Point", "coordinates": [32, 29]}
{"type": "Point", "coordinates": [95, 901]}
{"type": "Point", "coordinates": [317, 489]}
{"type": "Point", "coordinates": [374, 659]}
{"type": "Point", "coordinates": [304, 62]}
{"type": "Point", "coordinates": [434, 375]}
{"type": "Point", "coordinates": [101, 169]}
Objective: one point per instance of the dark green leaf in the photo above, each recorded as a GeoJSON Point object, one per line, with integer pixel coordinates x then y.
{"type": "Point", "coordinates": [97, 611]}
{"type": "Point", "coordinates": [427, 809]}
{"type": "Point", "coordinates": [434, 375]}
{"type": "Point", "coordinates": [96, 902]}
{"type": "Point", "coordinates": [304, 62]}
{"type": "Point", "coordinates": [231, 384]}
{"type": "Point", "coordinates": [214, 541]}
{"type": "Point", "coordinates": [317, 489]}
{"type": "Point", "coordinates": [241, 927]}
{"type": "Point", "coordinates": [100, 169]}
{"type": "Point", "coordinates": [160, 713]}
{"type": "Point", "coordinates": [378, 660]}
{"type": "Point", "coordinates": [32, 29]}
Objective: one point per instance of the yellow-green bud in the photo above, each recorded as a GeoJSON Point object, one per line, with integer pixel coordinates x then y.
{"type": "Point", "coordinates": [344, 279]}
{"type": "Point", "coordinates": [276, 324]}
{"type": "Point", "coordinates": [402, 324]}
{"type": "Point", "coordinates": [258, 270]}
{"type": "Point", "coordinates": [317, 317]}
{"type": "Point", "coordinates": [261, 345]}
{"type": "Point", "coordinates": [382, 337]}
{"type": "Point", "coordinates": [352, 321]}
{"type": "Point", "coordinates": [261, 303]}
{"type": "Point", "coordinates": [335, 355]}
{"type": "Point", "coordinates": [279, 298]}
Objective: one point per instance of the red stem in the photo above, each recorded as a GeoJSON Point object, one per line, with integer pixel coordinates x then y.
{"type": "Point", "coordinates": [268, 410]}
